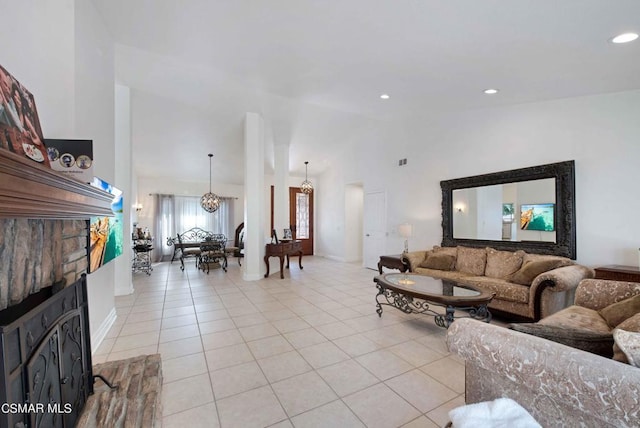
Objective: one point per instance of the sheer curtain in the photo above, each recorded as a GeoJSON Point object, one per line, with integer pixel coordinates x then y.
{"type": "Point", "coordinates": [177, 214]}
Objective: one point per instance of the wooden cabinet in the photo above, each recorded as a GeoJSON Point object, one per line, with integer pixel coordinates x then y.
{"type": "Point", "coordinates": [281, 250]}
{"type": "Point", "coordinates": [618, 273]}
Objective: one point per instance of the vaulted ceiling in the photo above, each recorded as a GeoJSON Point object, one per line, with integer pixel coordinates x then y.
{"type": "Point", "coordinates": [312, 67]}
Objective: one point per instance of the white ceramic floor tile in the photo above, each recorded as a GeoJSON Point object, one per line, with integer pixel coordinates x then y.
{"type": "Point", "coordinates": [447, 371]}
{"type": "Point", "coordinates": [356, 345]}
{"type": "Point", "coordinates": [303, 392]}
{"type": "Point", "coordinates": [347, 377]}
{"type": "Point", "coordinates": [185, 394]}
{"type": "Point", "coordinates": [256, 408]}
{"type": "Point", "coordinates": [269, 346]}
{"type": "Point", "coordinates": [282, 366]}
{"type": "Point", "coordinates": [215, 326]}
{"type": "Point", "coordinates": [423, 422]}
{"type": "Point", "coordinates": [182, 367]}
{"type": "Point", "coordinates": [334, 414]}
{"type": "Point", "coordinates": [199, 417]}
{"type": "Point", "coordinates": [179, 321]}
{"type": "Point", "coordinates": [237, 379]}
{"type": "Point", "coordinates": [384, 364]}
{"type": "Point", "coordinates": [228, 356]}
{"type": "Point", "coordinates": [323, 354]}
{"type": "Point", "coordinates": [304, 338]}
{"type": "Point", "coordinates": [422, 391]}
{"type": "Point", "coordinates": [133, 341]}
{"type": "Point", "coordinates": [379, 407]}
{"type": "Point", "coordinates": [180, 348]}
{"type": "Point", "coordinates": [290, 324]}
{"type": "Point", "coordinates": [221, 339]}
{"type": "Point", "coordinates": [440, 415]}
{"type": "Point", "coordinates": [177, 333]}
{"type": "Point", "coordinates": [258, 331]}
{"type": "Point", "coordinates": [415, 353]}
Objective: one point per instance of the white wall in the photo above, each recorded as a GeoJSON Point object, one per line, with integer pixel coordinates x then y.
{"type": "Point", "coordinates": [94, 109]}
{"type": "Point", "coordinates": [60, 50]}
{"type": "Point", "coordinates": [599, 132]}
{"type": "Point", "coordinates": [42, 57]}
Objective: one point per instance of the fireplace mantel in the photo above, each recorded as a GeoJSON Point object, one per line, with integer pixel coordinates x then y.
{"type": "Point", "coordinates": [30, 190]}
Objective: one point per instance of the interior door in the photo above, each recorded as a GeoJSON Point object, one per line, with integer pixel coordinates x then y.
{"type": "Point", "coordinates": [301, 218]}
{"type": "Point", "coordinates": [375, 235]}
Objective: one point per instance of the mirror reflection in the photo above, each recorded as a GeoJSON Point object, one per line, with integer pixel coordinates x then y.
{"type": "Point", "coordinates": [518, 211]}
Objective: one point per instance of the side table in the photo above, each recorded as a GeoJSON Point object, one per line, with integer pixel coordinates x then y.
{"type": "Point", "coordinates": [392, 262]}
{"type": "Point", "coordinates": [618, 273]}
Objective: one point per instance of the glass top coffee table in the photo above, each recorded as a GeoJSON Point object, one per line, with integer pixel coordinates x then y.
{"type": "Point", "coordinates": [414, 293]}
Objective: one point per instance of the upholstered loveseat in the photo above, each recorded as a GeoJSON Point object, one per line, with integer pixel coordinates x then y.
{"type": "Point", "coordinates": [558, 385]}
{"type": "Point", "coordinates": [526, 286]}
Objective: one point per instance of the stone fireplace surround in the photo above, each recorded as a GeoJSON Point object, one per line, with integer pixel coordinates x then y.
{"type": "Point", "coordinates": [43, 230]}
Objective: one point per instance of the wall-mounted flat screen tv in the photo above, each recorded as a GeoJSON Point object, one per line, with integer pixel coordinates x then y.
{"type": "Point", "coordinates": [537, 217]}
{"type": "Point", "coordinates": [106, 234]}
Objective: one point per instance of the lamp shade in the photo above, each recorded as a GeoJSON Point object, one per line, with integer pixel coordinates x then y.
{"type": "Point", "coordinates": [405, 230]}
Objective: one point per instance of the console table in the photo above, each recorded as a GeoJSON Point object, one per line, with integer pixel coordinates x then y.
{"type": "Point", "coordinates": [392, 262]}
{"type": "Point", "coordinates": [281, 250]}
{"type": "Point", "coordinates": [618, 273]}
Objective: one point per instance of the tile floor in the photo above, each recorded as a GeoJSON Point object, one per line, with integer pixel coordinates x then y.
{"type": "Point", "coordinates": [305, 351]}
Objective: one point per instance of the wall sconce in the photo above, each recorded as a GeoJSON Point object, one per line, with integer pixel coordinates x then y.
{"type": "Point", "coordinates": [405, 231]}
{"type": "Point", "coordinates": [460, 208]}
{"type": "Point", "coordinates": [137, 207]}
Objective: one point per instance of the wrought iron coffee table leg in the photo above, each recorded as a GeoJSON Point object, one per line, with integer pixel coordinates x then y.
{"type": "Point", "coordinates": [378, 305]}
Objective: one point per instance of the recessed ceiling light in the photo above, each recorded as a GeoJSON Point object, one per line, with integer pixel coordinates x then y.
{"type": "Point", "coordinates": [384, 96]}
{"type": "Point", "coordinates": [624, 38]}
{"type": "Point", "coordinates": [490, 91]}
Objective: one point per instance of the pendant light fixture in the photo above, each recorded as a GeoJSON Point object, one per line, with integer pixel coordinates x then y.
{"type": "Point", "coordinates": [306, 186]}
{"type": "Point", "coordinates": [210, 202]}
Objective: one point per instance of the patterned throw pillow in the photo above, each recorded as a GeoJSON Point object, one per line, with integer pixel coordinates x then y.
{"type": "Point", "coordinates": [630, 324]}
{"type": "Point", "coordinates": [531, 269]}
{"type": "Point", "coordinates": [502, 264]}
{"type": "Point", "coordinates": [629, 343]}
{"type": "Point", "coordinates": [617, 312]}
{"type": "Point", "coordinates": [439, 261]}
{"type": "Point", "coordinates": [471, 260]}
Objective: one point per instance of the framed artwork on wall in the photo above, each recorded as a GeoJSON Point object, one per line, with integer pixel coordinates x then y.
{"type": "Point", "coordinates": [106, 234]}
{"type": "Point", "coordinates": [20, 130]}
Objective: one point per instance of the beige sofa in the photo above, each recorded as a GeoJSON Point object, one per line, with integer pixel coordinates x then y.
{"type": "Point", "coordinates": [526, 286]}
{"type": "Point", "coordinates": [560, 386]}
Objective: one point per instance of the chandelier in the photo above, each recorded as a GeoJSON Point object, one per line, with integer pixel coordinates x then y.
{"type": "Point", "coordinates": [210, 202]}
{"type": "Point", "coordinates": [306, 186]}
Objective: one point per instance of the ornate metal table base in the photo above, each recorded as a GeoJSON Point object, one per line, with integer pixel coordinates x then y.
{"type": "Point", "coordinates": [411, 305]}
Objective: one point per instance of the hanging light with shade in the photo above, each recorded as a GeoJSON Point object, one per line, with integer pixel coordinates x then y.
{"type": "Point", "coordinates": [306, 186]}
{"type": "Point", "coordinates": [210, 202]}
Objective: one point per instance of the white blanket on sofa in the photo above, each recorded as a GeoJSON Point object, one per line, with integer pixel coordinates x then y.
{"type": "Point", "coordinates": [500, 413]}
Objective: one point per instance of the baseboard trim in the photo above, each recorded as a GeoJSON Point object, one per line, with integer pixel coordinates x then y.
{"type": "Point", "coordinates": [101, 333]}
{"type": "Point", "coordinates": [253, 277]}
{"type": "Point", "coordinates": [334, 258]}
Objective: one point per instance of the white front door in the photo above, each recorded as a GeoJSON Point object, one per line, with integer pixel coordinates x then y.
{"type": "Point", "coordinates": [375, 235]}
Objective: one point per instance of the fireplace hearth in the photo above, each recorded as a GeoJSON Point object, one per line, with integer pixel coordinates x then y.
{"type": "Point", "coordinates": [45, 355]}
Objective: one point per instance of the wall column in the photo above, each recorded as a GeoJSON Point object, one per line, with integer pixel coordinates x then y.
{"type": "Point", "coordinates": [254, 198]}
